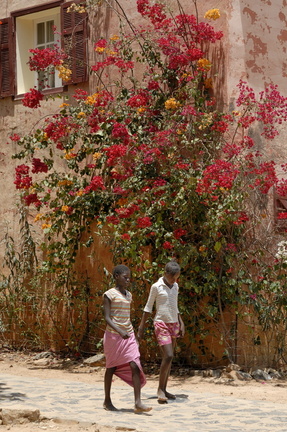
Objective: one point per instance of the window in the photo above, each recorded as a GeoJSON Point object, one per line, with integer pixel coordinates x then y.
{"type": "Point", "coordinates": [45, 38]}
{"type": "Point", "coordinates": [34, 28]}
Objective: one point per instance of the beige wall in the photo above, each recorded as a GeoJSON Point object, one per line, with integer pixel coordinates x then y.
{"type": "Point", "coordinates": [253, 49]}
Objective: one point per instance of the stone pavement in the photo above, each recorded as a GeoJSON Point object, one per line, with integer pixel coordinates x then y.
{"type": "Point", "coordinates": [190, 412]}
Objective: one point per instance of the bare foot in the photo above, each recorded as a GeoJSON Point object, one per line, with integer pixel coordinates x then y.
{"type": "Point", "coordinates": [169, 395]}
{"type": "Point", "coordinates": [109, 406]}
{"type": "Point", "coordinates": [140, 408]}
{"type": "Point", "coordinates": [161, 397]}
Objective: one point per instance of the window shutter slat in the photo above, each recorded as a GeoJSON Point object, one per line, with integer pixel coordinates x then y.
{"type": "Point", "coordinates": [74, 42]}
{"type": "Point", "coordinates": [280, 212]}
{"type": "Point", "coordinates": [7, 58]}
{"type": "Point", "coordinates": [282, 203]}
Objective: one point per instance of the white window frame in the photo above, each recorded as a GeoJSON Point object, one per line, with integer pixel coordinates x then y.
{"type": "Point", "coordinates": [57, 80]}
{"type": "Point", "coordinates": [26, 36]}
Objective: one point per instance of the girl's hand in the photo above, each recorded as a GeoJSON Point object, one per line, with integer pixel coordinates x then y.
{"type": "Point", "coordinates": [182, 330]}
{"type": "Point", "coordinates": [124, 334]}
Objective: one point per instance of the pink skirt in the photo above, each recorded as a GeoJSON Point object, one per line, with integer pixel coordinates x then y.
{"type": "Point", "coordinates": [119, 353]}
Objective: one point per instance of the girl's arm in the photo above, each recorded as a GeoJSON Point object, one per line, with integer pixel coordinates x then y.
{"type": "Point", "coordinates": [147, 311]}
{"type": "Point", "coordinates": [142, 324]}
{"type": "Point", "coordinates": [182, 327]}
{"type": "Point", "coordinates": [107, 315]}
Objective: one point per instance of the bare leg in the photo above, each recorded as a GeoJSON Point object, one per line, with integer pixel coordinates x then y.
{"type": "Point", "coordinates": [167, 394]}
{"type": "Point", "coordinates": [108, 384]}
{"type": "Point", "coordinates": [139, 406]}
{"type": "Point", "coordinates": [167, 356]}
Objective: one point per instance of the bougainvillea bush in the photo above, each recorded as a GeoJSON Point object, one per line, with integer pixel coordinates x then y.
{"type": "Point", "coordinates": [148, 163]}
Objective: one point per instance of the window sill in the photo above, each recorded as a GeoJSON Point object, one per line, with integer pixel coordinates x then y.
{"type": "Point", "coordinates": [45, 92]}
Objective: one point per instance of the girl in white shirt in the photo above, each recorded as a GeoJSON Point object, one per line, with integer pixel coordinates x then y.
{"type": "Point", "coordinates": [168, 324]}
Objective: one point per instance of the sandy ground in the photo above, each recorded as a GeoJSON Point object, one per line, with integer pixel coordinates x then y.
{"type": "Point", "coordinates": [20, 364]}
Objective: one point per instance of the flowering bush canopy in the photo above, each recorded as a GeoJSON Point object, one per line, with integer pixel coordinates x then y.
{"type": "Point", "coordinates": [150, 161]}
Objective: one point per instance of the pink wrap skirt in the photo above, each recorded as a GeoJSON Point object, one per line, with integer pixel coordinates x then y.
{"type": "Point", "coordinates": [119, 353]}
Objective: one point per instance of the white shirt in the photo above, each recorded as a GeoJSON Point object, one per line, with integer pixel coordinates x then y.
{"type": "Point", "coordinates": [165, 299]}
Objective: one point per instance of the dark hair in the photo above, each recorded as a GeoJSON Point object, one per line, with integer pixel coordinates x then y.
{"type": "Point", "coordinates": [119, 269]}
{"type": "Point", "coordinates": [172, 268]}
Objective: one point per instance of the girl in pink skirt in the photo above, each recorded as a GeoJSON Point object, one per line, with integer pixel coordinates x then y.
{"type": "Point", "coordinates": [120, 345]}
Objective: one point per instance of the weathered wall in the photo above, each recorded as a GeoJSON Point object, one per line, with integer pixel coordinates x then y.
{"type": "Point", "coordinates": [253, 49]}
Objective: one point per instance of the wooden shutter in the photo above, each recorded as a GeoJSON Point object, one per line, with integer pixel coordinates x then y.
{"type": "Point", "coordinates": [74, 42]}
{"type": "Point", "coordinates": [7, 58]}
{"type": "Point", "coordinates": [280, 212]}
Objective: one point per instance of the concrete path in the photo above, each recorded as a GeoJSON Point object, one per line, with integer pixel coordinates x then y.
{"type": "Point", "coordinates": [190, 412]}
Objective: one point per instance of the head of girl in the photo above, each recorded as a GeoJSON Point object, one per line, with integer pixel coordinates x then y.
{"type": "Point", "coordinates": [122, 276]}
{"type": "Point", "coordinates": [172, 272]}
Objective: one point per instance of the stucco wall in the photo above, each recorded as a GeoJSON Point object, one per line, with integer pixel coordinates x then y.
{"type": "Point", "coordinates": [253, 49]}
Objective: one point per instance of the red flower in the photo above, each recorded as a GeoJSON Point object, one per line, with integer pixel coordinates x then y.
{"type": "Point", "coordinates": [32, 198]}
{"type": "Point", "coordinates": [167, 245]}
{"type": "Point", "coordinates": [120, 131]}
{"type": "Point", "coordinates": [138, 100]}
{"type": "Point", "coordinates": [114, 152]}
{"type": "Point", "coordinates": [126, 237]}
{"type": "Point", "coordinates": [15, 137]}
{"type": "Point", "coordinates": [43, 58]}
{"type": "Point", "coordinates": [231, 247]}
{"type": "Point", "coordinates": [102, 43]}
{"type": "Point", "coordinates": [153, 85]}
{"type": "Point", "coordinates": [23, 180]}
{"type": "Point", "coordinates": [126, 212]}
{"type": "Point", "coordinates": [80, 94]}
{"type": "Point", "coordinates": [96, 184]}
{"type": "Point", "coordinates": [220, 174]}
{"type": "Point", "coordinates": [22, 169]}
{"type": "Point", "coordinates": [144, 222]}
{"type": "Point", "coordinates": [32, 99]}
{"type": "Point", "coordinates": [39, 166]}
{"type": "Point", "coordinates": [178, 233]}
{"type": "Point", "coordinates": [112, 219]}
{"type": "Point", "coordinates": [242, 218]}
{"type": "Point", "coordinates": [59, 128]}
{"type": "Point", "coordinates": [118, 190]}
{"type": "Point", "coordinates": [220, 126]}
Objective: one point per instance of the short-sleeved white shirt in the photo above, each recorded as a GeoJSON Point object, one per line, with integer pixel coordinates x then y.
{"type": "Point", "coordinates": [165, 300]}
{"type": "Point", "coordinates": [120, 309]}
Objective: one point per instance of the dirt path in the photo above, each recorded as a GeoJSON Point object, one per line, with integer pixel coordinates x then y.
{"type": "Point", "coordinates": [24, 365]}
